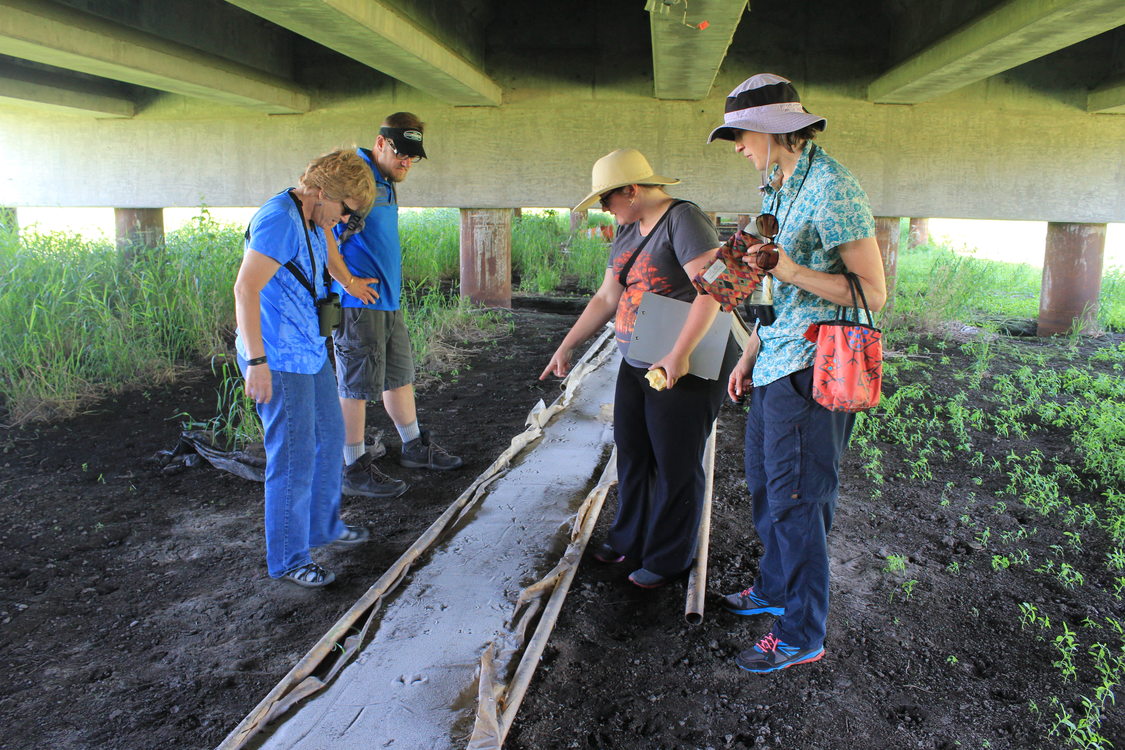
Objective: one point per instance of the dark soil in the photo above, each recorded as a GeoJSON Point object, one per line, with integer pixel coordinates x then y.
{"type": "Point", "coordinates": [136, 611]}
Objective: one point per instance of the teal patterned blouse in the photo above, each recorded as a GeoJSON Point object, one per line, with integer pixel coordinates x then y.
{"type": "Point", "coordinates": [829, 210]}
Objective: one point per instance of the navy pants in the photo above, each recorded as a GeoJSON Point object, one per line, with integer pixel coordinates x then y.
{"type": "Point", "coordinates": [660, 437]}
{"type": "Point", "coordinates": [793, 449]}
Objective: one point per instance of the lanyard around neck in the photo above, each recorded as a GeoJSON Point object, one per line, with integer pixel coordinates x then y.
{"type": "Point", "coordinates": [777, 195]}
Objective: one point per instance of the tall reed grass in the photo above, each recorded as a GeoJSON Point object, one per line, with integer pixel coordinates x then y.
{"type": "Point", "coordinates": [82, 319]}
{"type": "Point", "coordinates": [935, 284]}
{"type": "Point", "coordinates": [431, 245]}
{"type": "Point", "coordinates": [544, 254]}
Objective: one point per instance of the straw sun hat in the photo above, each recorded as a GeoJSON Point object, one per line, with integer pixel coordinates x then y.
{"type": "Point", "coordinates": [625, 166]}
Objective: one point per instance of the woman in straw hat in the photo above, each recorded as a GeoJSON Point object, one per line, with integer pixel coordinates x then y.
{"type": "Point", "coordinates": [820, 218]}
{"type": "Point", "coordinates": [660, 435]}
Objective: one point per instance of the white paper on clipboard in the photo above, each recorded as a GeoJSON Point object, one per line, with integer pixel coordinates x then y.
{"type": "Point", "coordinates": [659, 322]}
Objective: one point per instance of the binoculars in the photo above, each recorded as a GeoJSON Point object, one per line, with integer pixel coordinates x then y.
{"type": "Point", "coordinates": [328, 313]}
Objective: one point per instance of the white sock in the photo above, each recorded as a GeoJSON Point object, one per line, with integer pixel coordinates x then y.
{"type": "Point", "coordinates": [410, 432]}
{"type": "Point", "coordinates": [352, 452]}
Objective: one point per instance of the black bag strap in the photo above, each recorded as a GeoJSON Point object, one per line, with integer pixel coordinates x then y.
{"type": "Point", "coordinates": [293, 267]}
{"type": "Point", "coordinates": [621, 277]}
{"type": "Point", "coordinates": [856, 288]}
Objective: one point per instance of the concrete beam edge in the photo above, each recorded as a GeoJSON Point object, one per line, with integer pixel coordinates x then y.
{"type": "Point", "coordinates": [970, 54]}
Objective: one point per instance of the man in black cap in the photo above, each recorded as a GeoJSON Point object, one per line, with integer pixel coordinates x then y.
{"type": "Point", "coordinates": [373, 357]}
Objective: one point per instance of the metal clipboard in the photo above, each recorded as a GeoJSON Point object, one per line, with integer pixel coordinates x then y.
{"type": "Point", "coordinates": [659, 322]}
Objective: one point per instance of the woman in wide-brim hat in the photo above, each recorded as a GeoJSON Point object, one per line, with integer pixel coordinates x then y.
{"type": "Point", "coordinates": [823, 226]}
{"type": "Point", "coordinates": [660, 435]}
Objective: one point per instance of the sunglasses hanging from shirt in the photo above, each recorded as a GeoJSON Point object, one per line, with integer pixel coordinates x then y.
{"type": "Point", "coordinates": [731, 280]}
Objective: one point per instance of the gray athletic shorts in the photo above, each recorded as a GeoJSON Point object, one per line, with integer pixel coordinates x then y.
{"type": "Point", "coordinates": [372, 353]}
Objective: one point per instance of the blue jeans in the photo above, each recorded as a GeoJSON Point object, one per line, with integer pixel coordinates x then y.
{"type": "Point", "coordinates": [304, 440]}
{"type": "Point", "coordinates": [793, 449]}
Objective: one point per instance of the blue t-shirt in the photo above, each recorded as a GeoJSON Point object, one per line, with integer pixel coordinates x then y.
{"type": "Point", "coordinates": [375, 252]}
{"type": "Point", "coordinates": [290, 331]}
{"type": "Point", "coordinates": [830, 209]}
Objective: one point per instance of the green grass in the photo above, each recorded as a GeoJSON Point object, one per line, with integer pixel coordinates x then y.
{"type": "Point", "coordinates": [80, 320]}
{"type": "Point", "coordinates": [441, 325]}
{"type": "Point", "coordinates": [431, 245]}
{"type": "Point", "coordinates": [544, 255]}
{"type": "Point", "coordinates": [935, 285]}
{"type": "Point", "coordinates": [440, 328]}
{"type": "Point", "coordinates": [1052, 517]}
{"type": "Point", "coordinates": [83, 319]}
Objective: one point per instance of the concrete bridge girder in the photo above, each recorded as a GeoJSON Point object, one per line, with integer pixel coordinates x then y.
{"type": "Point", "coordinates": [685, 57]}
{"type": "Point", "coordinates": [382, 38]}
{"type": "Point", "coordinates": [1011, 34]}
{"type": "Point", "coordinates": [1109, 98]}
{"type": "Point", "coordinates": [984, 153]}
{"type": "Point", "coordinates": [45, 90]}
{"type": "Point", "coordinates": [70, 39]}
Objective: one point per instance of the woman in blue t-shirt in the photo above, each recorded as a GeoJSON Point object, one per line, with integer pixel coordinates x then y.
{"type": "Point", "coordinates": [660, 434]}
{"type": "Point", "coordinates": [282, 353]}
{"type": "Point", "coordinates": [823, 226]}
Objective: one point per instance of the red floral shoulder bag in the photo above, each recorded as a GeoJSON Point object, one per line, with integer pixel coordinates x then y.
{"type": "Point", "coordinates": [848, 372]}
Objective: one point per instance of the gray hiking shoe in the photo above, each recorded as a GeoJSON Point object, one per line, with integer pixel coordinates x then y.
{"type": "Point", "coordinates": [364, 480]}
{"type": "Point", "coordinates": [420, 453]}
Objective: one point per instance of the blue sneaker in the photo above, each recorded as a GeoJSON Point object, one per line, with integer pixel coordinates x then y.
{"type": "Point", "coordinates": [772, 654]}
{"type": "Point", "coordinates": [748, 603]}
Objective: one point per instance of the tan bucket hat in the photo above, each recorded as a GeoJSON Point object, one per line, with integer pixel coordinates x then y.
{"type": "Point", "coordinates": [625, 166]}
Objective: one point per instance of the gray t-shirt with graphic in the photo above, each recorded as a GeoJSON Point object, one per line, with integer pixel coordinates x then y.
{"type": "Point", "coordinates": [683, 236]}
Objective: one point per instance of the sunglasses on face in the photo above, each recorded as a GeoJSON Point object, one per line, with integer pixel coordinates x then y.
{"type": "Point", "coordinates": [403, 157]}
{"type": "Point", "coordinates": [346, 210]}
{"type": "Point", "coordinates": [604, 198]}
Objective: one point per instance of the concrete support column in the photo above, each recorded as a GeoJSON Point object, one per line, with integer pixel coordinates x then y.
{"type": "Point", "coordinates": [486, 256]}
{"type": "Point", "coordinates": [886, 234]}
{"type": "Point", "coordinates": [8, 220]}
{"type": "Point", "coordinates": [578, 220]}
{"type": "Point", "coordinates": [743, 221]}
{"type": "Point", "coordinates": [1072, 277]}
{"type": "Point", "coordinates": [139, 228]}
{"type": "Point", "coordinates": [919, 232]}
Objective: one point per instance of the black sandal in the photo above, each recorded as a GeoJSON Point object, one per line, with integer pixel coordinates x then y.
{"type": "Point", "coordinates": [310, 576]}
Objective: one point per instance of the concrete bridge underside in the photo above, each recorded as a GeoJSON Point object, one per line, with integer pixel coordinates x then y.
{"type": "Point", "coordinates": [961, 108]}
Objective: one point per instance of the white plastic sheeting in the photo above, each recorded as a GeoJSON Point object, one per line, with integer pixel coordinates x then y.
{"type": "Point", "coordinates": [401, 669]}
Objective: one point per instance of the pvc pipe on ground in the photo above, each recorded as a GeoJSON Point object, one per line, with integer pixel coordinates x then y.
{"type": "Point", "coordinates": [697, 579]}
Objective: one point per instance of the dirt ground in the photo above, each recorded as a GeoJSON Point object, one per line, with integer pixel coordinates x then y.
{"type": "Point", "coordinates": [136, 612]}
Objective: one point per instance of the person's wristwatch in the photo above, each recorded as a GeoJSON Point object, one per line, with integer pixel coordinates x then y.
{"type": "Point", "coordinates": [256, 361]}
